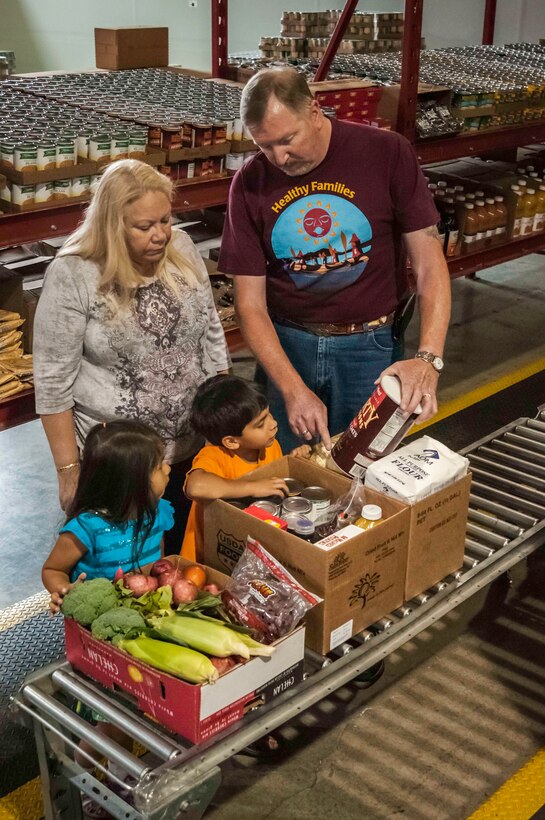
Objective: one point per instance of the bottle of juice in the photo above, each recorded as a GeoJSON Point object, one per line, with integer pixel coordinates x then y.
{"type": "Point", "coordinates": [470, 228]}
{"type": "Point", "coordinates": [501, 225]}
{"type": "Point", "coordinates": [371, 514]}
{"type": "Point", "coordinates": [529, 212]}
{"type": "Point", "coordinates": [519, 209]}
{"type": "Point", "coordinates": [490, 207]}
{"type": "Point", "coordinates": [451, 224]}
{"type": "Point", "coordinates": [482, 224]}
{"type": "Point", "coordinates": [539, 219]}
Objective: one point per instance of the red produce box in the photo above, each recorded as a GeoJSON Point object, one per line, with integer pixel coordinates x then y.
{"type": "Point", "coordinates": [194, 711]}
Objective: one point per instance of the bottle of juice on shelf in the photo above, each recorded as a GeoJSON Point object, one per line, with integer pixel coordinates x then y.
{"type": "Point", "coordinates": [501, 225]}
{"type": "Point", "coordinates": [482, 224]}
{"type": "Point", "coordinates": [539, 219]}
{"type": "Point", "coordinates": [519, 209]}
{"type": "Point", "coordinates": [371, 514]}
{"type": "Point", "coordinates": [451, 224]}
{"type": "Point", "coordinates": [470, 228]}
{"type": "Point", "coordinates": [490, 207]}
{"type": "Point", "coordinates": [530, 207]}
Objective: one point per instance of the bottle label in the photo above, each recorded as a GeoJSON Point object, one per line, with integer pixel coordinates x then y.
{"type": "Point", "coordinates": [501, 230]}
{"type": "Point", "coordinates": [468, 239]}
{"type": "Point", "coordinates": [527, 224]}
{"type": "Point", "coordinates": [480, 236]}
{"type": "Point", "coordinates": [517, 226]}
{"type": "Point", "coordinates": [539, 222]}
{"type": "Point", "coordinates": [490, 233]}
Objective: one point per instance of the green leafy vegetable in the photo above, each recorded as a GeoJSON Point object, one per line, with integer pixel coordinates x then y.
{"type": "Point", "coordinates": [89, 599]}
{"type": "Point", "coordinates": [119, 621]}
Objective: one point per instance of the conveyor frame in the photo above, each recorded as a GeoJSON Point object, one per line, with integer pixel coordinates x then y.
{"type": "Point", "coordinates": [186, 781]}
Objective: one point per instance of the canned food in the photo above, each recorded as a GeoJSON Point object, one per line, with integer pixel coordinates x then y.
{"type": "Point", "coordinates": [319, 498]}
{"type": "Point", "coordinates": [297, 504]}
{"type": "Point", "coordinates": [82, 142]}
{"type": "Point", "coordinates": [268, 506]}
{"type": "Point", "coordinates": [25, 156]}
{"type": "Point", "coordinates": [7, 151]}
{"type": "Point", "coordinates": [295, 521]}
{"type": "Point", "coordinates": [23, 195]}
{"type": "Point", "coordinates": [62, 188]}
{"type": "Point", "coordinates": [100, 148]}
{"type": "Point", "coordinates": [120, 145]}
{"type": "Point", "coordinates": [46, 155]}
{"type": "Point", "coordinates": [66, 152]}
{"type": "Point", "coordinates": [234, 161]}
{"type": "Point", "coordinates": [294, 487]}
{"type": "Point", "coordinates": [80, 186]}
{"type": "Point", "coordinates": [45, 192]}
{"type": "Point", "coordinates": [137, 143]}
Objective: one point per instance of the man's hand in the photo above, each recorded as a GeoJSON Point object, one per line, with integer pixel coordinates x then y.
{"type": "Point", "coordinates": [418, 386]}
{"type": "Point", "coordinates": [268, 486]}
{"type": "Point", "coordinates": [307, 416]}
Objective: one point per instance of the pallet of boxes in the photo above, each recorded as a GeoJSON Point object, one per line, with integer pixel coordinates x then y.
{"type": "Point", "coordinates": [367, 533]}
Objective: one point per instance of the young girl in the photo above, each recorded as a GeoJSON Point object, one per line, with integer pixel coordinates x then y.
{"type": "Point", "coordinates": [117, 518]}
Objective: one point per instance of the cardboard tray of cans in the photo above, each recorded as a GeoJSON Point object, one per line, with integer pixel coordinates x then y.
{"type": "Point", "coordinates": [195, 711]}
{"type": "Point", "coordinates": [242, 146]}
{"type": "Point", "coordinates": [83, 167]}
{"type": "Point", "coordinates": [219, 149]}
{"type": "Point", "coordinates": [10, 208]}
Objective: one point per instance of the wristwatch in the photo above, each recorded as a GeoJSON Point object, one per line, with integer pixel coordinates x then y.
{"type": "Point", "coordinates": [431, 358]}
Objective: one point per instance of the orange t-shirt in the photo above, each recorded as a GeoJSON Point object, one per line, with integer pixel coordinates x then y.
{"type": "Point", "coordinates": [220, 462]}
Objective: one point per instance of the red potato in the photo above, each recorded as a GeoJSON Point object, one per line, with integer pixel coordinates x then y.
{"type": "Point", "coordinates": [183, 592]}
{"type": "Point", "coordinates": [160, 566]}
{"type": "Point", "coordinates": [139, 584]}
{"type": "Point", "coordinates": [169, 578]}
{"type": "Point", "coordinates": [119, 574]}
{"type": "Point", "coordinates": [223, 665]}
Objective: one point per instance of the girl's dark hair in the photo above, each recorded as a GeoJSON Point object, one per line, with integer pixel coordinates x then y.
{"type": "Point", "coordinates": [224, 405]}
{"type": "Point", "coordinates": [118, 460]}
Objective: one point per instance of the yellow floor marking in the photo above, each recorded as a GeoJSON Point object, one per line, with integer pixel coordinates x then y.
{"type": "Point", "coordinates": [520, 797]}
{"type": "Point", "coordinates": [484, 392]}
{"type": "Point", "coordinates": [25, 803]}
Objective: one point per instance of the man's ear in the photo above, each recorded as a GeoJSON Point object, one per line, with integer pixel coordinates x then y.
{"type": "Point", "coordinates": [230, 443]}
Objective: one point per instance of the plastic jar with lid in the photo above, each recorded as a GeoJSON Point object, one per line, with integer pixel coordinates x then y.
{"type": "Point", "coordinates": [371, 514]}
{"type": "Point", "coordinates": [304, 528]}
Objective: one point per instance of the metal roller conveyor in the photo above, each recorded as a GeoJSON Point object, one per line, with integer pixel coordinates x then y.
{"type": "Point", "coordinates": [506, 523]}
{"type": "Point", "coordinates": [515, 462]}
{"type": "Point", "coordinates": [515, 474]}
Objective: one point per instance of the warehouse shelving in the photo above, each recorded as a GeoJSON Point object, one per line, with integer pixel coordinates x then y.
{"type": "Point", "coordinates": [31, 226]}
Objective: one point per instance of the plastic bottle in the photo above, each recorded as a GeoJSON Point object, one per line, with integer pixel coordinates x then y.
{"type": "Point", "coordinates": [304, 528]}
{"type": "Point", "coordinates": [482, 225]}
{"type": "Point", "coordinates": [529, 211]}
{"type": "Point", "coordinates": [539, 219]}
{"type": "Point", "coordinates": [470, 228]}
{"type": "Point", "coordinates": [519, 209]}
{"type": "Point", "coordinates": [371, 514]}
{"type": "Point", "coordinates": [490, 207]}
{"type": "Point", "coordinates": [501, 225]}
{"type": "Point", "coordinates": [451, 224]}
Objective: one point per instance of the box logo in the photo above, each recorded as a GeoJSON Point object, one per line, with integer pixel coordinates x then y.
{"type": "Point", "coordinates": [363, 588]}
{"type": "Point", "coordinates": [339, 565]}
{"type": "Point", "coordinates": [229, 549]}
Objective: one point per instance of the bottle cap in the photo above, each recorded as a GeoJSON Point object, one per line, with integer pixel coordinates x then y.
{"type": "Point", "coordinates": [372, 512]}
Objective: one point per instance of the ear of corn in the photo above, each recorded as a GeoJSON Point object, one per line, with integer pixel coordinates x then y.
{"type": "Point", "coordinates": [255, 647]}
{"type": "Point", "coordinates": [214, 639]}
{"type": "Point", "coordinates": [176, 660]}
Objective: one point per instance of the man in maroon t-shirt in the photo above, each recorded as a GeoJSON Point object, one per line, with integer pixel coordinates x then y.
{"type": "Point", "coordinates": [318, 228]}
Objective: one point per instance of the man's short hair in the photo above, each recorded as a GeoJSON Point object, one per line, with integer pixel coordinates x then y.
{"type": "Point", "coordinates": [224, 405]}
{"type": "Point", "coordinates": [287, 85]}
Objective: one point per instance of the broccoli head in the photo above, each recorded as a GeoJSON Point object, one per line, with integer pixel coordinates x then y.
{"type": "Point", "coordinates": [115, 622]}
{"type": "Point", "coordinates": [89, 599]}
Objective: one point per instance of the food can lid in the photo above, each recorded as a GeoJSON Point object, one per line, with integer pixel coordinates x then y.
{"type": "Point", "coordinates": [392, 387]}
{"type": "Point", "coordinates": [303, 525]}
{"type": "Point", "coordinates": [372, 512]}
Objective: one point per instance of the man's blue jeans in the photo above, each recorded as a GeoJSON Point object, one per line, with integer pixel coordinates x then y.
{"type": "Point", "coordinates": [341, 370]}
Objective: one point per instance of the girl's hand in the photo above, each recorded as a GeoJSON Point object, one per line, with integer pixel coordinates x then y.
{"type": "Point", "coordinates": [303, 451]}
{"type": "Point", "coordinates": [68, 481]}
{"type": "Point", "coordinates": [57, 597]}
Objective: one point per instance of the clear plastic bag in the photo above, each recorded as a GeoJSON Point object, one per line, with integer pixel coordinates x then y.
{"type": "Point", "coordinates": [345, 510]}
{"type": "Point", "coordinates": [262, 595]}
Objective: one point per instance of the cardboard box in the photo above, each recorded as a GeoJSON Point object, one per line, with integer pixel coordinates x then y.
{"type": "Point", "coordinates": [197, 712]}
{"type": "Point", "coordinates": [360, 580]}
{"type": "Point", "coordinates": [437, 536]}
{"type": "Point", "coordinates": [136, 47]}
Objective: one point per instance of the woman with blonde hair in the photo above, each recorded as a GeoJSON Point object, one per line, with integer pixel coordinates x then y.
{"type": "Point", "coordinates": [126, 327]}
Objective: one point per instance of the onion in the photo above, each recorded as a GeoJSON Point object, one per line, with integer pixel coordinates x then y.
{"type": "Point", "coordinates": [118, 575]}
{"type": "Point", "coordinates": [183, 592]}
{"type": "Point", "coordinates": [168, 579]}
{"type": "Point", "coordinates": [212, 589]}
{"type": "Point", "coordinates": [160, 566]}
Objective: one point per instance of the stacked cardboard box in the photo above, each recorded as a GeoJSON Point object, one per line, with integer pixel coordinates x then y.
{"type": "Point", "coordinates": [136, 47]}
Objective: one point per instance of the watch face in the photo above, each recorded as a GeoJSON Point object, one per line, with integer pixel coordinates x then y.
{"type": "Point", "coordinates": [438, 363]}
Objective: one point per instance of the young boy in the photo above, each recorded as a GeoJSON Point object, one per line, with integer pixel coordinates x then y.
{"type": "Point", "coordinates": [233, 415]}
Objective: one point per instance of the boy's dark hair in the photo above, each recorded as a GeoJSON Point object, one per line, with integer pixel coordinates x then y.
{"type": "Point", "coordinates": [117, 462]}
{"type": "Point", "coordinates": [224, 405]}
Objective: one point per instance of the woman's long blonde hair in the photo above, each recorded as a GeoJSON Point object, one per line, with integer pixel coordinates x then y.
{"type": "Point", "coordinates": [102, 234]}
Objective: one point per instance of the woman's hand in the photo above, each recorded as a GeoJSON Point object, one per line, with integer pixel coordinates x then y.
{"type": "Point", "coordinates": [68, 481]}
{"type": "Point", "coordinates": [57, 597]}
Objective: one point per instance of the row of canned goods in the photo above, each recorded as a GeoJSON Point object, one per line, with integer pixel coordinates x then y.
{"type": "Point", "coordinates": [27, 196]}
{"type": "Point", "coordinates": [195, 132]}
{"type": "Point", "coordinates": [27, 153]}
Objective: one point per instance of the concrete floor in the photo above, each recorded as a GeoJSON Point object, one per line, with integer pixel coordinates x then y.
{"type": "Point", "coordinates": [458, 710]}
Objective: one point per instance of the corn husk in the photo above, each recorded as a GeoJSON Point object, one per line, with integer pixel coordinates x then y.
{"type": "Point", "coordinates": [8, 315]}
{"type": "Point", "coordinates": [10, 338]}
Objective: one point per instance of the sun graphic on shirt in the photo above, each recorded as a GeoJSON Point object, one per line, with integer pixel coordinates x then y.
{"type": "Point", "coordinates": [317, 222]}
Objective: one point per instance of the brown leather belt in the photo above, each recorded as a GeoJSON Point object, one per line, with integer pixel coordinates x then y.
{"type": "Point", "coordinates": [334, 329]}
